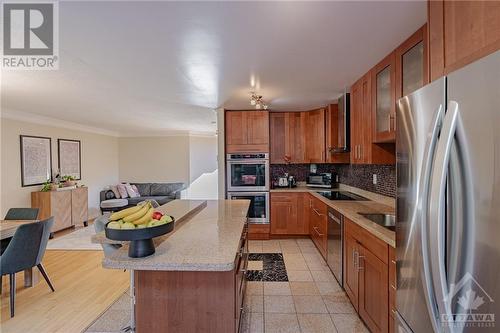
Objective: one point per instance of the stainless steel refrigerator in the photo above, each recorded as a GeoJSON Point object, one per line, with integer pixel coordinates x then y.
{"type": "Point", "coordinates": [448, 203]}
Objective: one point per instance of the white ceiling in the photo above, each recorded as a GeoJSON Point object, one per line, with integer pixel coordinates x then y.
{"type": "Point", "coordinates": [132, 67]}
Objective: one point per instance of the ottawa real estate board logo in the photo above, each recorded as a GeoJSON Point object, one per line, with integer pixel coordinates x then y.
{"type": "Point", "coordinates": [470, 305]}
{"type": "Point", "coordinates": [30, 35]}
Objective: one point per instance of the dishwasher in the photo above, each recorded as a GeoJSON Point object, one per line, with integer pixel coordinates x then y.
{"type": "Point", "coordinates": [335, 243]}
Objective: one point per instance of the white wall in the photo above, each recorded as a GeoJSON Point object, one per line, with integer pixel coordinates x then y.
{"type": "Point", "coordinates": [154, 159]}
{"type": "Point", "coordinates": [99, 161]}
{"type": "Point", "coordinates": [202, 168]}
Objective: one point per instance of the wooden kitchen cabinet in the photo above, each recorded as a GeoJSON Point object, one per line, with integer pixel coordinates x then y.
{"type": "Point", "coordinates": [363, 150]}
{"type": "Point", "coordinates": [392, 289]}
{"type": "Point", "coordinates": [279, 128]}
{"type": "Point", "coordinates": [287, 214]}
{"type": "Point", "coordinates": [384, 100]}
{"type": "Point", "coordinates": [366, 277]}
{"type": "Point", "coordinates": [247, 131]}
{"type": "Point", "coordinates": [332, 118]}
{"type": "Point", "coordinates": [287, 138]}
{"type": "Point", "coordinates": [318, 224]}
{"type": "Point", "coordinates": [412, 70]}
{"type": "Point", "coordinates": [461, 32]}
{"type": "Point", "coordinates": [315, 136]}
{"type": "Point", "coordinates": [351, 250]}
{"type": "Point", "coordinates": [373, 291]}
{"type": "Point", "coordinates": [361, 120]}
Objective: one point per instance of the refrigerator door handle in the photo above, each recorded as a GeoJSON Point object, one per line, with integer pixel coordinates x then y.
{"type": "Point", "coordinates": [436, 209]}
{"type": "Point", "coordinates": [422, 197]}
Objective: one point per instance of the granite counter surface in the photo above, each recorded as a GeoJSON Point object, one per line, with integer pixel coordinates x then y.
{"type": "Point", "coordinates": [208, 241]}
{"type": "Point", "coordinates": [350, 209]}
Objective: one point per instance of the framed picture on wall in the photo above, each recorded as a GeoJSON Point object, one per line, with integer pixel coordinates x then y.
{"type": "Point", "coordinates": [70, 158]}
{"type": "Point", "coordinates": [36, 160]}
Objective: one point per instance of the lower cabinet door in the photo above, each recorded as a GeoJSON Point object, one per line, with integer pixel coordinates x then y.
{"type": "Point", "coordinates": [350, 269]}
{"type": "Point", "coordinates": [284, 217]}
{"type": "Point", "coordinates": [61, 209]}
{"type": "Point", "coordinates": [373, 291]}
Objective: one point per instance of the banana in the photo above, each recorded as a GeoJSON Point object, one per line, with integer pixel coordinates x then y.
{"type": "Point", "coordinates": [137, 215]}
{"type": "Point", "coordinates": [146, 218]}
{"type": "Point", "coordinates": [122, 213]}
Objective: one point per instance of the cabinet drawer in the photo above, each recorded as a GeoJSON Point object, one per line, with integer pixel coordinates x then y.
{"type": "Point", "coordinates": [377, 246]}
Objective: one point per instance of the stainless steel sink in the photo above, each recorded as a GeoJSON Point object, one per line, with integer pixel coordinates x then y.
{"type": "Point", "coordinates": [386, 220]}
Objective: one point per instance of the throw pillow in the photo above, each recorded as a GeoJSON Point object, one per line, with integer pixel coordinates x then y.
{"type": "Point", "coordinates": [115, 191]}
{"type": "Point", "coordinates": [131, 192]}
{"type": "Point", "coordinates": [136, 190]}
{"type": "Point", "coordinates": [123, 191]}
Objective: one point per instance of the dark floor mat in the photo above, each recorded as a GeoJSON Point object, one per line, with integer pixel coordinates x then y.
{"type": "Point", "coordinates": [273, 268]}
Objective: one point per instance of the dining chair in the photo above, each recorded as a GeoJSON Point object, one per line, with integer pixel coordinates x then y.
{"type": "Point", "coordinates": [18, 214]}
{"type": "Point", "coordinates": [26, 250]}
{"type": "Point", "coordinates": [22, 214]}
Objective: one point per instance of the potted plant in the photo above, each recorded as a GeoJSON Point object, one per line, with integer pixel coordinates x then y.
{"type": "Point", "coordinates": [69, 181]}
{"type": "Point", "coordinates": [47, 186]}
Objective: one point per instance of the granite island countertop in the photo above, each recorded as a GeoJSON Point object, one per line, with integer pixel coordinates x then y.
{"type": "Point", "coordinates": [208, 241]}
{"type": "Point", "coordinates": [377, 204]}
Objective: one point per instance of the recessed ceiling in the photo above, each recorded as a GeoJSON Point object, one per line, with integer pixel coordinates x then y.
{"type": "Point", "coordinates": [160, 66]}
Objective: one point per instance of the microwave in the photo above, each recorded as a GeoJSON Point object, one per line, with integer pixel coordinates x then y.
{"type": "Point", "coordinates": [323, 180]}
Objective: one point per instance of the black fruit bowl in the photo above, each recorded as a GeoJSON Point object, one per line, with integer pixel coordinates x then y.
{"type": "Point", "coordinates": [141, 240]}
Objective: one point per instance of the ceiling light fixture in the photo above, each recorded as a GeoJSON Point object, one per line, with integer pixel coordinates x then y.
{"type": "Point", "coordinates": [258, 101]}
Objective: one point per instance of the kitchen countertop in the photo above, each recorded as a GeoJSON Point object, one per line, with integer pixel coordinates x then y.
{"type": "Point", "coordinates": [208, 241]}
{"type": "Point", "coordinates": [349, 209]}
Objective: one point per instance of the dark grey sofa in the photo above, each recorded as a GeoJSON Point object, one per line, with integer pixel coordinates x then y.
{"type": "Point", "coordinates": [160, 192]}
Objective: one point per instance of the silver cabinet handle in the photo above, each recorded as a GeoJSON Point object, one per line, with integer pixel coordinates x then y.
{"type": "Point", "coordinates": [389, 119]}
{"type": "Point", "coordinates": [317, 212]}
{"type": "Point", "coordinates": [319, 233]}
{"type": "Point", "coordinates": [354, 259]}
{"type": "Point", "coordinates": [360, 268]}
{"type": "Point", "coordinates": [436, 209]}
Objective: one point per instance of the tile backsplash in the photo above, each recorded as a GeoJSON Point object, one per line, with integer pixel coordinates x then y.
{"type": "Point", "coordinates": [360, 176]}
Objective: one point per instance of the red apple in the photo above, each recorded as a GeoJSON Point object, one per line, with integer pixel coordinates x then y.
{"type": "Point", "coordinates": [157, 215]}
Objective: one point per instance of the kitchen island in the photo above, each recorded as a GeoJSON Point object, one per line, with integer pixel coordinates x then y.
{"type": "Point", "coordinates": [195, 280]}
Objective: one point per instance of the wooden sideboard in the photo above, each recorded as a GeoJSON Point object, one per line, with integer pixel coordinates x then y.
{"type": "Point", "coordinates": [69, 207]}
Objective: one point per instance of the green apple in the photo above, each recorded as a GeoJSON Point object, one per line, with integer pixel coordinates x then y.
{"type": "Point", "coordinates": [166, 219]}
{"type": "Point", "coordinates": [152, 223]}
{"type": "Point", "coordinates": [128, 225]}
{"type": "Point", "coordinates": [114, 225]}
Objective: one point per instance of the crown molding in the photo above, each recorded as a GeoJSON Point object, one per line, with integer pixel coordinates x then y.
{"type": "Point", "coordinates": [48, 121]}
{"type": "Point", "coordinates": [165, 133]}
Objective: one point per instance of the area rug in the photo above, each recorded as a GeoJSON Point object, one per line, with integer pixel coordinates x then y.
{"type": "Point", "coordinates": [116, 319]}
{"type": "Point", "coordinates": [272, 270]}
{"type": "Point", "coordinates": [78, 240]}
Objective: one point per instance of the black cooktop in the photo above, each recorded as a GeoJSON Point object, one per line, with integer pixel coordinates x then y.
{"type": "Point", "coordinates": [342, 195]}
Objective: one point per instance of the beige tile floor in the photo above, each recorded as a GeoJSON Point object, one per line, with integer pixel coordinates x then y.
{"type": "Point", "coordinates": [311, 302]}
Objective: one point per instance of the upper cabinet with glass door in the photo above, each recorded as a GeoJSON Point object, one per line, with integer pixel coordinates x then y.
{"type": "Point", "coordinates": [384, 100]}
{"type": "Point", "coordinates": [411, 63]}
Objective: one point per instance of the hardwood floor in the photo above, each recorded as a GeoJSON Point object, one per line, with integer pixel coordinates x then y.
{"type": "Point", "coordinates": [83, 291]}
